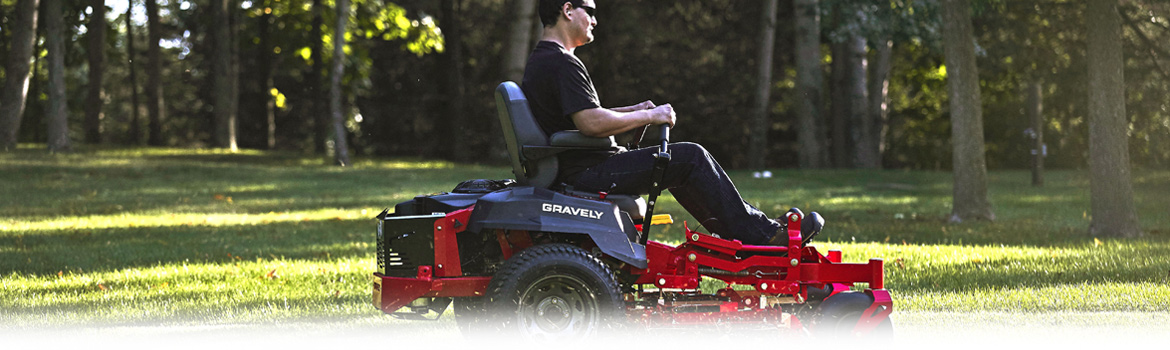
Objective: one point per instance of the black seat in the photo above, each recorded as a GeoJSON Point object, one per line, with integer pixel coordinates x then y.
{"type": "Point", "coordinates": [533, 154]}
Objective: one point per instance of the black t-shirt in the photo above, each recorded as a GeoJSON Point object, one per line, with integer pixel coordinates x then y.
{"type": "Point", "coordinates": [557, 85]}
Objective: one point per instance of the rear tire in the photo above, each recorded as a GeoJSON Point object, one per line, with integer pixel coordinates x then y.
{"type": "Point", "coordinates": [554, 292]}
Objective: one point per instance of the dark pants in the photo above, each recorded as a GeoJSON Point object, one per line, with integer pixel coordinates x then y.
{"type": "Point", "coordinates": [695, 179]}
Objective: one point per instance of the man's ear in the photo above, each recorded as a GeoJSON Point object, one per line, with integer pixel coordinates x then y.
{"type": "Point", "coordinates": [566, 8]}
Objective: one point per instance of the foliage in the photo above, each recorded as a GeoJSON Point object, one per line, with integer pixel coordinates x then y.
{"type": "Point", "coordinates": [697, 55]}
{"type": "Point", "coordinates": [115, 236]}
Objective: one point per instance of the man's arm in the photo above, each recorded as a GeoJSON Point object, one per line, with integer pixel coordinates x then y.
{"type": "Point", "coordinates": [644, 105]}
{"type": "Point", "coordinates": [602, 122]}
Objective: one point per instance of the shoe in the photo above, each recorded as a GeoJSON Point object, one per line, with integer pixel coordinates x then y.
{"type": "Point", "coordinates": [810, 226]}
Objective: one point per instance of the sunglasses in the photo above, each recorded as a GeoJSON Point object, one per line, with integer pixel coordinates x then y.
{"type": "Point", "coordinates": [588, 10]}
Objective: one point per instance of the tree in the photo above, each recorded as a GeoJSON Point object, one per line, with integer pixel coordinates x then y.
{"type": "Point", "coordinates": [452, 63]}
{"type": "Point", "coordinates": [135, 136]}
{"type": "Point", "coordinates": [57, 115]}
{"type": "Point", "coordinates": [861, 127]}
{"type": "Point", "coordinates": [317, 101]}
{"type": "Point", "coordinates": [758, 149]}
{"type": "Point", "coordinates": [879, 100]}
{"type": "Point", "coordinates": [809, 81]}
{"type": "Point", "coordinates": [1111, 189]}
{"type": "Point", "coordinates": [1035, 110]}
{"type": "Point", "coordinates": [519, 39]}
{"type": "Point", "coordinates": [340, 147]}
{"type": "Point", "coordinates": [970, 201]}
{"type": "Point", "coordinates": [15, 88]}
{"type": "Point", "coordinates": [95, 98]}
{"type": "Point", "coordinates": [222, 78]}
{"type": "Point", "coordinates": [154, 97]}
{"type": "Point", "coordinates": [849, 89]}
{"type": "Point", "coordinates": [264, 59]}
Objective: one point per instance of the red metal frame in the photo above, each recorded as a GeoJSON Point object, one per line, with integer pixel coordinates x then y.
{"type": "Point", "coordinates": [779, 275]}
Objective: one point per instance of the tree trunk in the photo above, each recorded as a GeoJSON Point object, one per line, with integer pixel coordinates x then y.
{"type": "Point", "coordinates": [15, 89]}
{"type": "Point", "coordinates": [221, 77]}
{"type": "Point", "coordinates": [1035, 108]}
{"type": "Point", "coordinates": [519, 39]}
{"type": "Point", "coordinates": [879, 100]}
{"type": "Point", "coordinates": [758, 145]}
{"type": "Point", "coordinates": [135, 124]}
{"type": "Point", "coordinates": [809, 82]}
{"type": "Point", "coordinates": [1111, 189]}
{"type": "Point", "coordinates": [452, 60]}
{"type": "Point", "coordinates": [861, 129]}
{"type": "Point", "coordinates": [264, 62]}
{"type": "Point", "coordinates": [317, 102]}
{"type": "Point", "coordinates": [154, 96]}
{"type": "Point", "coordinates": [340, 147]}
{"type": "Point", "coordinates": [95, 98]}
{"type": "Point", "coordinates": [839, 105]}
{"type": "Point", "coordinates": [57, 114]}
{"type": "Point", "coordinates": [970, 168]}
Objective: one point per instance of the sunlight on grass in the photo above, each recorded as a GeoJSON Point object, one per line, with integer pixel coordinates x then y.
{"type": "Point", "coordinates": [866, 200]}
{"type": "Point", "coordinates": [158, 220]}
{"type": "Point", "coordinates": [242, 291]}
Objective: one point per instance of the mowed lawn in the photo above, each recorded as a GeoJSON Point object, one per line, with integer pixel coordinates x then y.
{"type": "Point", "coordinates": [206, 237]}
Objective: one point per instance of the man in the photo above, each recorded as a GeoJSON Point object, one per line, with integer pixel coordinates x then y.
{"type": "Point", "coordinates": [562, 97]}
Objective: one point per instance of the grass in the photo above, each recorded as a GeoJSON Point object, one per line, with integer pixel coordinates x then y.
{"type": "Point", "coordinates": [116, 236]}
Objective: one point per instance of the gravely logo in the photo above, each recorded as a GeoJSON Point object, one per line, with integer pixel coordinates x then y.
{"type": "Point", "coordinates": [567, 210]}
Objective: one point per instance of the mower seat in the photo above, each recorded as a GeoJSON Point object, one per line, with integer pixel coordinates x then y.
{"type": "Point", "coordinates": [533, 154]}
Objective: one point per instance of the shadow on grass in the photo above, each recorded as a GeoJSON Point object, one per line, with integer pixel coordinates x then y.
{"type": "Point", "coordinates": [120, 248]}
{"type": "Point", "coordinates": [52, 190]}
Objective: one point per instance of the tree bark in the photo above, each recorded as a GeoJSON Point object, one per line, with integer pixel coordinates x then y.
{"type": "Point", "coordinates": [839, 105]}
{"type": "Point", "coordinates": [809, 82]}
{"type": "Point", "coordinates": [135, 125]}
{"type": "Point", "coordinates": [317, 104]}
{"type": "Point", "coordinates": [858, 90]}
{"type": "Point", "coordinates": [57, 115]}
{"type": "Point", "coordinates": [519, 39]}
{"type": "Point", "coordinates": [452, 60]}
{"type": "Point", "coordinates": [1035, 108]}
{"type": "Point", "coordinates": [340, 146]}
{"type": "Point", "coordinates": [222, 78]}
{"type": "Point", "coordinates": [758, 144]}
{"type": "Point", "coordinates": [15, 89]}
{"type": "Point", "coordinates": [95, 98]}
{"type": "Point", "coordinates": [154, 96]}
{"type": "Point", "coordinates": [879, 100]}
{"type": "Point", "coordinates": [970, 201]}
{"type": "Point", "coordinates": [264, 62]}
{"type": "Point", "coordinates": [1111, 188]}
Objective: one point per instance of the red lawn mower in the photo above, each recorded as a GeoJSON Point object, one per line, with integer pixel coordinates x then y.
{"type": "Point", "coordinates": [542, 260]}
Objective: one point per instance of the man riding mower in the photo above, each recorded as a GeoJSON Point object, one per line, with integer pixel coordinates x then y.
{"type": "Point", "coordinates": [542, 260]}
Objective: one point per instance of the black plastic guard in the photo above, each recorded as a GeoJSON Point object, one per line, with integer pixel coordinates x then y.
{"type": "Point", "coordinates": [537, 209]}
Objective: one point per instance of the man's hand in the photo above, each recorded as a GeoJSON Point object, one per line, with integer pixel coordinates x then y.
{"type": "Point", "coordinates": [663, 114]}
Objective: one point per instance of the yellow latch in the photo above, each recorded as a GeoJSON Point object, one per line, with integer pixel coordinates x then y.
{"type": "Point", "coordinates": [661, 219]}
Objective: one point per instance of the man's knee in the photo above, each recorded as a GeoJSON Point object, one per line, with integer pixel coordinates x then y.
{"type": "Point", "coordinates": [688, 150]}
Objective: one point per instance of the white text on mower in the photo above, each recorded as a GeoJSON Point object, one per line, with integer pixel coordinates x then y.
{"type": "Point", "coordinates": [564, 209]}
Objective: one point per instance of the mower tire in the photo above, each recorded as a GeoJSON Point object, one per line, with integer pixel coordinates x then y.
{"type": "Point", "coordinates": [837, 316]}
{"type": "Point", "coordinates": [553, 292]}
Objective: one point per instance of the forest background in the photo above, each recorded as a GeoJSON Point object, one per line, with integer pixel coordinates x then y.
{"type": "Point", "coordinates": [417, 69]}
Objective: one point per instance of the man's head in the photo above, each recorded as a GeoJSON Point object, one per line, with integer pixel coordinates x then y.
{"type": "Point", "coordinates": [575, 15]}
